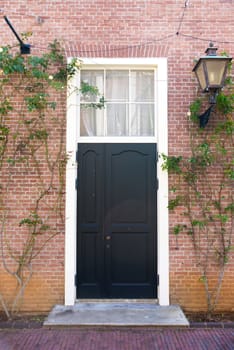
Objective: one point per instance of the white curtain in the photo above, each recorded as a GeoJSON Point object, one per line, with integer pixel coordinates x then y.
{"type": "Point", "coordinates": [91, 119]}
{"type": "Point", "coordinates": [129, 108]}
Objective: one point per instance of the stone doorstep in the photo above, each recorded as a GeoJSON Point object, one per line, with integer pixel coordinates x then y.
{"type": "Point", "coordinates": [116, 314]}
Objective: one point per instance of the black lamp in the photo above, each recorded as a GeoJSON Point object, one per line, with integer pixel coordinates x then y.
{"type": "Point", "coordinates": [24, 48]}
{"type": "Point", "coordinates": [211, 71]}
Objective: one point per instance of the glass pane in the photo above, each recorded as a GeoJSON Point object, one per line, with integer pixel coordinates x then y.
{"type": "Point", "coordinates": [117, 85]}
{"type": "Point", "coordinates": [201, 76]}
{"type": "Point", "coordinates": [142, 120]}
{"type": "Point", "coordinates": [142, 86]}
{"type": "Point", "coordinates": [117, 119]}
{"type": "Point", "coordinates": [215, 71]}
{"type": "Point", "coordinates": [95, 79]}
{"type": "Point", "coordinates": [91, 122]}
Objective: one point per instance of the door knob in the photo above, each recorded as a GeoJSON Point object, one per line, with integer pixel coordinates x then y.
{"type": "Point", "coordinates": [108, 238]}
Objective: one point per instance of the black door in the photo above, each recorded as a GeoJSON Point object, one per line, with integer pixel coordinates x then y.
{"type": "Point", "coordinates": [116, 242]}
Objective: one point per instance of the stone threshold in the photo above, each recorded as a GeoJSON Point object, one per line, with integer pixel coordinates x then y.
{"type": "Point", "coordinates": [116, 313]}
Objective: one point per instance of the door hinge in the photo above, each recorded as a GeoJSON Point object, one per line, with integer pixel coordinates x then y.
{"type": "Point", "coordinates": [77, 154]}
{"type": "Point", "coordinates": [76, 280]}
{"type": "Point", "coordinates": [156, 184]}
{"type": "Point", "coordinates": [76, 184]}
{"type": "Point", "coordinates": [157, 280]}
{"type": "Point", "coordinates": [156, 156]}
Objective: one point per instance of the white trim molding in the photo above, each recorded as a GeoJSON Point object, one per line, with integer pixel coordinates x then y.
{"type": "Point", "coordinates": [71, 195]}
{"type": "Point", "coordinates": [162, 198]}
{"type": "Point", "coordinates": [161, 138]}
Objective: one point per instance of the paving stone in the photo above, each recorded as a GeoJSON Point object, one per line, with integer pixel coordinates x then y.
{"type": "Point", "coordinates": [117, 338]}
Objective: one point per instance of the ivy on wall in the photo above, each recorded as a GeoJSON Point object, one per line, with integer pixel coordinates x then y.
{"type": "Point", "coordinates": [202, 194]}
{"type": "Point", "coordinates": [33, 92]}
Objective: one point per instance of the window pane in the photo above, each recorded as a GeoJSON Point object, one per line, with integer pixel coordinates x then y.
{"type": "Point", "coordinates": [95, 79]}
{"type": "Point", "coordinates": [142, 86]}
{"type": "Point", "coordinates": [91, 122]}
{"type": "Point", "coordinates": [117, 85]}
{"type": "Point", "coordinates": [142, 120]}
{"type": "Point", "coordinates": [117, 119]}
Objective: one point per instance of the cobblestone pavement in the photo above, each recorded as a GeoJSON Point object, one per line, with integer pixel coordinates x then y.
{"type": "Point", "coordinates": [117, 339]}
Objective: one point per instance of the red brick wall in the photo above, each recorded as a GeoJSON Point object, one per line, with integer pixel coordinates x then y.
{"type": "Point", "coordinates": [128, 28]}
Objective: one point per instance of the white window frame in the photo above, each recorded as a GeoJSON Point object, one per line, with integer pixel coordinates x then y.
{"type": "Point", "coordinates": [128, 103]}
{"type": "Point", "coordinates": [161, 138]}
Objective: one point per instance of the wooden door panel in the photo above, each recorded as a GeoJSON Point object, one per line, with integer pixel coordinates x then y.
{"type": "Point", "coordinates": [126, 266]}
{"type": "Point", "coordinates": [89, 210]}
{"type": "Point", "coordinates": [130, 204]}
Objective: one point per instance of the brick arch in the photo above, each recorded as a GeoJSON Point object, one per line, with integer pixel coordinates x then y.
{"type": "Point", "coordinates": [105, 51]}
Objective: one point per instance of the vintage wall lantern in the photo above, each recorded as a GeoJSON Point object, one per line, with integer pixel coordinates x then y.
{"type": "Point", "coordinates": [211, 71]}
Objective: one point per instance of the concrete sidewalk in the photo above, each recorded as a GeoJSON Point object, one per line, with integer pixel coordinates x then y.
{"type": "Point", "coordinates": [117, 338]}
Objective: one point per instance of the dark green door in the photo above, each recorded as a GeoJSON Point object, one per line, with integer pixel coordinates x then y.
{"type": "Point", "coordinates": [116, 243]}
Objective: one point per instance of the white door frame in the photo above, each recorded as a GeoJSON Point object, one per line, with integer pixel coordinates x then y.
{"type": "Point", "coordinates": [161, 138]}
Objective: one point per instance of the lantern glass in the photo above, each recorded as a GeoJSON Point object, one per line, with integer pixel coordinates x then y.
{"type": "Point", "coordinates": [201, 76]}
{"type": "Point", "coordinates": [215, 72]}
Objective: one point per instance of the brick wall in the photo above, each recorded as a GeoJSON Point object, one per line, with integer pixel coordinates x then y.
{"type": "Point", "coordinates": [126, 28]}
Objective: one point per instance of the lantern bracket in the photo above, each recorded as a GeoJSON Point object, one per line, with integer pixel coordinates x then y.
{"type": "Point", "coordinates": [24, 48]}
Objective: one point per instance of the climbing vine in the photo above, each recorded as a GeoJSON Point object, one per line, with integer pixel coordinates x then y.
{"type": "Point", "coordinates": [202, 193]}
{"type": "Point", "coordinates": [33, 91]}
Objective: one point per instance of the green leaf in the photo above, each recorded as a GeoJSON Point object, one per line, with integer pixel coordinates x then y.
{"type": "Point", "coordinates": [217, 204]}
{"type": "Point", "coordinates": [225, 103]}
{"type": "Point", "coordinates": [4, 131]}
{"type": "Point", "coordinates": [32, 220]}
{"type": "Point", "coordinates": [11, 161]}
{"type": "Point", "coordinates": [173, 189]}
{"type": "Point", "coordinates": [37, 73]}
{"type": "Point", "coordinates": [171, 163]}
{"type": "Point", "coordinates": [230, 207]}
{"type": "Point", "coordinates": [35, 62]}
{"type": "Point", "coordinates": [52, 105]}
{"type": "Point", "coordinates": [229, 172]}
{"type": "Point", "coordinates": [36, 102]}
{"type": "Point", "coordinates": [39, 134]}
{"type": "Point", "coordinates": [5, 106]}
{"type": "Point", "coordinates": [88, 90]}
{"type": "Point", "coordinates": [227, 126]}
{"type": "Point", "coordinates": [173, 203]}
{"type": "Point", "coordinates": [178, 228]}
{"type": "Point", "coordinates": [190, 177]}
{"type": "Point", "coordinates": [198, 223]}
{"type": "Point", "coordinates": [203, 279]}
{"type": "Point", "coordinates": [223, 218]}
{"type": "Point", "coordinates": [195, 110]}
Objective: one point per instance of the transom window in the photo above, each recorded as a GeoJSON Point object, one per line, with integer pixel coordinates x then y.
{"type": "Point", "coordinates": [129, 108]}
